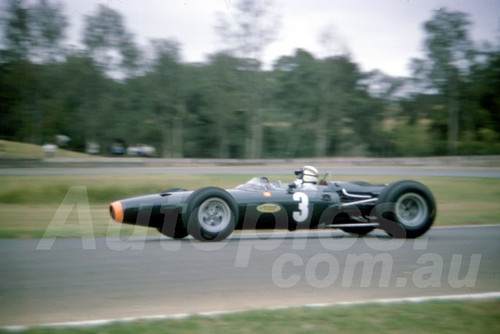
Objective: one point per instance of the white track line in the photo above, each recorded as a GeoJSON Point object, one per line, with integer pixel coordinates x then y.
{"type": "Point", "coordinates": [97, 323]}
{"type": "Point", "coordinates": [465, 226]}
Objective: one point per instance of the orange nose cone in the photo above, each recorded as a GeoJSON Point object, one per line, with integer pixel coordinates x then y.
{"type": "Point", "coordinates": [116, 211]}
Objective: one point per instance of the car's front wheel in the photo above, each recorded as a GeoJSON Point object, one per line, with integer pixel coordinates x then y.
{"type": "Point", "coordinates": [210, 214]}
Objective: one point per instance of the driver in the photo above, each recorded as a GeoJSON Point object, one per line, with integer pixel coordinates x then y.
{"type": "Point", "coordinates": [307, 178]}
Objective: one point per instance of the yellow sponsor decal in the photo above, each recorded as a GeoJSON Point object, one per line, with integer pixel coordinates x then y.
{"type": "Point", "coordinates": [268, 208]}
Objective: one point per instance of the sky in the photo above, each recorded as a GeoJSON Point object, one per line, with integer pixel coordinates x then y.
{"type": "Point", "coordinates": [377, 34]}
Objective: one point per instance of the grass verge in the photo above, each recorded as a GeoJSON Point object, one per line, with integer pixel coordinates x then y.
{"type": "Point", "coordinates": [17, 150]}
{"type": "Point", "coordinates": [28, 204]}
{"type": "Point", "coordinates": [426, 317]}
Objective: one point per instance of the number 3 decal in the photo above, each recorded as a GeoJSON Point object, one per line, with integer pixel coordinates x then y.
{"type": "Point", "coordinates": [301, 215]}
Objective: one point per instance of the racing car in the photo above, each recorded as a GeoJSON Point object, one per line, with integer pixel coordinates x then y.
{"type": "Point", "coordinates": [404, 209]}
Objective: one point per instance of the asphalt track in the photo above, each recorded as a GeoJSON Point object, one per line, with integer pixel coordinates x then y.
{"type": "Point", "coordinates": [61, 280]}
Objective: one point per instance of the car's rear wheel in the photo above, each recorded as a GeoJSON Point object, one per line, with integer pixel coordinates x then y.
{"type": "Point", "coordinates": [406, 209]}
{"type": "Point", "coordinates": [210, 214]}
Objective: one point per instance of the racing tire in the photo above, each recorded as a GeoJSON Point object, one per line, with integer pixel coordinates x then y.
{"type": "Point", "coordinates": [210, 214]}
{"type": "Point", "coordinates": [406, 209]}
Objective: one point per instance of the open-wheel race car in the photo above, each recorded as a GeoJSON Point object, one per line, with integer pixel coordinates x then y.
{"type": "Point", "coordinates": [404, 209]}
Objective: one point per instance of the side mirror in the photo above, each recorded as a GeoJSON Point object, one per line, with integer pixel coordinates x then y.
{"type": "Point", "coordinates": [292, 187]}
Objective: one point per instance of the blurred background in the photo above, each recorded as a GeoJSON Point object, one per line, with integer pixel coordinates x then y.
{"type": "Point", "coordinates": [86, 81]}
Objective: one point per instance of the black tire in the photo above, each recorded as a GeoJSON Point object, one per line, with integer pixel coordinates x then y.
{"type": "Point", "coordinates": [210, 214]}
{"type": "Point", "coordinates": [360, 231]}
{"type": "Point", "coordinates": [174, 231]}
{"type": "Point", "coordinates": [406, 209]}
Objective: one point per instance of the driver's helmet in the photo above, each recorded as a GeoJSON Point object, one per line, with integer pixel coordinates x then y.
{"type": "Point", "coordinates": [307, 174]}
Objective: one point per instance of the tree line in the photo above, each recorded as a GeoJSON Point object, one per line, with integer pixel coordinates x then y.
{"type": "Point", "coordinates": [111, 90]}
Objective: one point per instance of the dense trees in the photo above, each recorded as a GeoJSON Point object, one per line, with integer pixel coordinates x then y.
{"type": "Point", "coordinates": [230, 107]}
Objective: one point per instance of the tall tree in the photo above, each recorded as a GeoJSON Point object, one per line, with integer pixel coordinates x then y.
{"type": "Point", "coordinates": [448, 50]}
{"type": "Point", "coordinates": [296, 96]}
{"type": "Point", "coordinates": [323, 101]}
{"type": "Point", "coordinates": [168, 94]}
{"type": "Point", "coordinates": [251, 27]}
{"type": "Point", "coordinates": [225, 95]}
{"type": "Point", "coordinates": [48, 25]}
{"type": "Point", "coordinates": [32, 35]}
{"type": "Point", "coordinates": [34, 31]}
{"type": "Point", "coordinates": [109, 43]}
{"type": "Point", "coordinates": [73, 103]}
{"type": "Point", "coordinates": [16, 31]}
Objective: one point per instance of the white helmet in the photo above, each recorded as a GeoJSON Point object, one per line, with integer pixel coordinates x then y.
{"type": "Point", "coordinates": [308, 174]}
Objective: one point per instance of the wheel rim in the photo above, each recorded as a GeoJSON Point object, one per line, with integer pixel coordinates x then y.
{"type": "Point", "coordinates": [411, 209]}
{"type": "Point", "coordinates": [214, 215]}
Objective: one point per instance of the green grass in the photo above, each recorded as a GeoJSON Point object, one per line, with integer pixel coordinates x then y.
{"type": "Point", "coordinates": [51, 189]}
{"type": "Point", "coordinates": [427, 317]}
{"type": "Point", "coordinates": [17, 150]}
{"type": "Point", "coordinates": [28, 204]}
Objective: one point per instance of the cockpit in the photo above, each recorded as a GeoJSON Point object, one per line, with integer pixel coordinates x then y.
{"type": "Point", "coordinates": [260, 184]}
